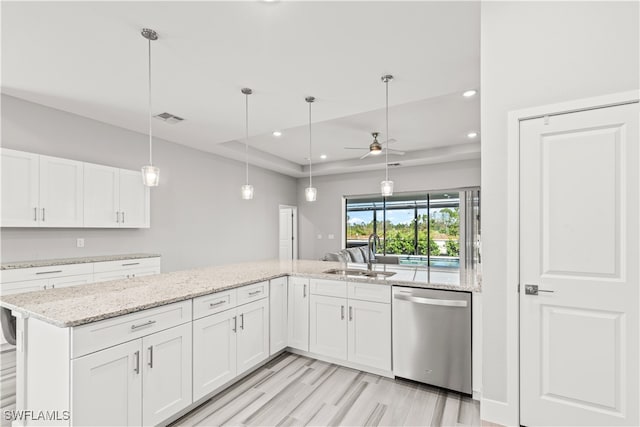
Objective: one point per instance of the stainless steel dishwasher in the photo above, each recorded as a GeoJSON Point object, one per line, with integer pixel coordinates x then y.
{"type": "Point", "coordinates": [432, 337]}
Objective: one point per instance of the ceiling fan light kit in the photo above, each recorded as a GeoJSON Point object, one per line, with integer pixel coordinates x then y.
{"type": "Point", "coordinates": [150, 173]}
{"type": "Point", "coordinates": [386, 186]}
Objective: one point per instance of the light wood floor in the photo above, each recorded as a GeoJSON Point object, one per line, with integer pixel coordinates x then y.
{"type": "Point", "coordinates": [293, 390]}
{"type": "Point", "coordinates": [7, 382]}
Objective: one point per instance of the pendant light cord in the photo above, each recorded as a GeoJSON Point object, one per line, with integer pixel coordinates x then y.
{"type": "Point", "coordinates": [386, 152]}
{"type": "Point", "coordinates": [150, 114]}
{"type": "Point", "coordinates": [310, 163]}
{"type": "Point", "coordinates": [246, 138]}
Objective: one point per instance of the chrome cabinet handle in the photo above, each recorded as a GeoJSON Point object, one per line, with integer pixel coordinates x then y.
{"type": "Point", "coordinates": [49, 272]}
{"type": "Point", "coordinates": [215, 304]}
{"type": "Point", "coordinates": [137, 356]}
{"type": "Point", "coordinates": [342, 312]}
{"type": "Point", "coordinates": [304, 291]}
{"type": "Point", "coordinates": [42, 214]}
{"type": "Point", "coordinates": [142, 325]}
{"type": "Point", "coordinates": [242, 321]}
{"type": "Point", "coordinates": [44, 287]}
{"type": "Point", "coordinates": [534, 290]}
{"type": "Point", "coordinates": [123, 217]}
{"type": "Point", "coordinates": [350, 313]}
{"type": "Point", "coordinates": [235, 323]}
{"type": "Point", "coordinates": [150, 356]}
{"type": "Point", "coordinates": [130, 263]}
{"type": "Point", "coordinates": [35, 214]}
{"type": "Point", "coordinates": [255, 292]}
{"type": "Point", "coordinates": [117, 216]}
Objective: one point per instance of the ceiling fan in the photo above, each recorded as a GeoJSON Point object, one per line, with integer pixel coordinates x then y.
{"type": "Point", "coordinates": [376, 148]}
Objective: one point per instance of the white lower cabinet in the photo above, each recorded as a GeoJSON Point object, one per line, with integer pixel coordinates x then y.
{"type": "Point", "coordinates": [140, 382]}
{"type": "Point", "coordinates": [214, 352]}
{"type": "Point", "coordinates": [253, 334]}
{"type": "Point", "coordinates": [107, 387]}
{"type": "Point", "coordinates": [298, 313]}
{"type": "Point", "coordinates": [166, 373]}
{"type": "Point", "coordinates": [328, 326]}
{"type": "Point", "coordinates": [369, 334]}
{"type": "Point", "coordinates": [278, 315]}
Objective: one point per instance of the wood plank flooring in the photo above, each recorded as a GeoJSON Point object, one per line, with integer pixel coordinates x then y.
{"type": "Point", "coordinates": [293, 390]}
{"type": "Point", "coordinates": [7, 381]}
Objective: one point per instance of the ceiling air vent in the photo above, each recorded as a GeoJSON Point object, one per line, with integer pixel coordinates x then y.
{"type": "Point", "coordinates": [393, 165]}
{"type": "Point", "coordinates": [169, 118]}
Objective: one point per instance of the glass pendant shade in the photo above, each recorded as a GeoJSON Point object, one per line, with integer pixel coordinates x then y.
{"type": "Point", "coordinates": [386, 187]}
{"type": "Point", "coordinates": [150, 176]}
{"type": "Point", "coordinates": [247, 192]}
{"type": "Point", "coordinates": [310, 193]}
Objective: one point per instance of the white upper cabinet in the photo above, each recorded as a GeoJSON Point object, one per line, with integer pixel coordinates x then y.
{"type": "Point", "coordinates": [134, 200]}
{"type": "Point", "coordinates": [19, 189]}
{"type": "Point", "coordinates": [43, 191]}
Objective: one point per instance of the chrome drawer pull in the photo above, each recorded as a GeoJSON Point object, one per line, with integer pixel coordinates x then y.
{"type": "Point", "coordinates": [142, 325]}
{"type": "Point", "coordinates": [255, 293]}
{"type": "Point", "coordinates": [215, 304]}
{"type": "Point", "coordinates": [350, 313]}
{"type": "Point", "coordinates": [242, 321]}
{"type": "Point", "coordinates": [35, 214]}
{"type": "Point", "coordinates": [130, 263]}
{"type": "Point", "coordinates": [42, 214]}
{"type": "Point", "coordinates": [49, 272]}
{"type": "Point", "coordinates": [432, 301]}
{"type": "Point", "coordinates": [150, 357]}
{"type": "Point", "coordinates": [137, 368]}
{"type": "Point", "coordinates": [342, 312]}
{"type": "Point", "coordinates": [235, 323]}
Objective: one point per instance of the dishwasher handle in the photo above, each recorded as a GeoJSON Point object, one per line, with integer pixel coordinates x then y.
{"type": "Point", "coordinates": [432, 301]}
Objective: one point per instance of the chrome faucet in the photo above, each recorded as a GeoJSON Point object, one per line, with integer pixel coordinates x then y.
{"type": "Point", "coordinates": [372, 248]}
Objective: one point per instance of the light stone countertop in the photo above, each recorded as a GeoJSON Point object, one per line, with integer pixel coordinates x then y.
{"type": "Point", "coordinates": [78, 305]}
{"type": "Point", "coordinates": [66, 261]}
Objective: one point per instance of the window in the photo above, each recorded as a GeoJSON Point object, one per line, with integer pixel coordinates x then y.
{"type": "Point", "coordinates": [440, 230]}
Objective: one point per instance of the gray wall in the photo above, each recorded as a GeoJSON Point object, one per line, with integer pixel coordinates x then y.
{"type": "Point", "coordinates": [197, 215]}
{"type": "Point", "coordinates": [324, 216]}
{"type": "Point", "coordinates": [533, 54]}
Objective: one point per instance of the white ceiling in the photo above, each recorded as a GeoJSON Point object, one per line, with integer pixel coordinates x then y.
{"type": "Point", "coordinates": [88, 58]}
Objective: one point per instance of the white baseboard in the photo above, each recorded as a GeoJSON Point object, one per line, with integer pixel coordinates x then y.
{"type": "Point", "coordinates": [498, 412]}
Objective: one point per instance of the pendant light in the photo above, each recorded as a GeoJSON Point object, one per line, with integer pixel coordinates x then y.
{"type": "Point", "coordinates": [386, 186]}
{"type": "Point", "coordinates": [247, 189]}
{"type": "Point", "coordinates": [150, 173]}
{"type": "Point", "coordinates": [310, 192]}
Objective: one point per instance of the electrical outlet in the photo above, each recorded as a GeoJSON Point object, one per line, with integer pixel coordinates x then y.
{"type": "Point", "coordinates": [331, 237]}
{"type": "Point", "coordinates": [80, 243]}
{"type": "Point", "coordinates": [319, 236]}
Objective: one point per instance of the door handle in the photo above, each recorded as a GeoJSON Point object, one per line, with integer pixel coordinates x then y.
{"type": "Point", "coordinates": [431, 301]}
{"type": "Point", "coordinates": [304, 291]}
{"type": "Point", "coordinates": [42, 214]}
{"type": "Point", "coordinates": [123, 217]}
{"type": "Point", "coordinates": [35, 214]}
{"type": "Point", "coordinates": [117, 216]}
{"type": "Point", "coordinates": [534, 290]}
{"type": "Point", "coordinates": [150, 356]}
{"type": "Point", "coordinates": [342, 312]}
{"type": "Point", "coordinates": [242, 321]}
{"type": "Point", "coordinates": [137, 356]}
{"type": "Point", "coordinates": [350, 313]}
{"type": "Point", "coordinates": [235, 323]}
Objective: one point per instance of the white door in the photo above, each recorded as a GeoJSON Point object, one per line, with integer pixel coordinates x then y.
{"type": "Point", "coordinates": [214, 352]}
{"type": "Point", "coordinates": [61, 195]}
{"type": "Point", "coordinates": [166, 379]}
{"type": "Point", "coordinates": [106, 387]}
{"type": "Point", "coordinates": [288, 234]}
{"type": "Point", "coordinates": [101, 196]}
{"type": "Point", "coordinates": [579, 188]}
{"type": "Point", "coordinates": [134, 200]}
{"type": "Point", "coordinates": [298, 313]}
{"type": "Point", "coordinates": [369, 334]}
{"type": "Point", "coordinates": [328, 326]}
{"type": "Point", "coordinates": [277, 315]}
{"type": "Point", "coordinates": [20, 189]}
{"type": "Point", "coordinates": [253, 334]}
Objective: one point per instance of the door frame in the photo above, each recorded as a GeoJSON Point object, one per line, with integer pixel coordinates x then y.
{"type": "Point", "coordinates": [295, 227]}
{"type": "Point", "coordinates": [508, 412]}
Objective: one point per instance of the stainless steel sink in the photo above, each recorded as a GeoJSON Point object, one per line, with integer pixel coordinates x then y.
{"type": "Point", "coordinates": [358, 272]}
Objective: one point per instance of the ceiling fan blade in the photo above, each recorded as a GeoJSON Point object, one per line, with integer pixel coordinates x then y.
{"type": "Point", "coordinates": [396, 152]}
{"type": "Point", "coordinates": [366, 155]}
{"type": "Point", "coordinates": [392, 140]}
{"type": "Point", "coordinates": [355, 148]}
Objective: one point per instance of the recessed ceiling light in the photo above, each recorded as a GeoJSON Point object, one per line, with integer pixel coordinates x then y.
{"type": "Point", "coordinates": [277, 133]}
{"type": "Point", "coordinates": [469, 93]}
{"type": "Point", "coordinates": [323, 156]}
{"type": "Point", "coordinates": [472, 134]}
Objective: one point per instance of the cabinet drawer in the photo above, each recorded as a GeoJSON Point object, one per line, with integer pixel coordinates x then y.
{"type": "Point", "coordinates": [24, 286]}
{"type": "Point", "coordinates": [330, 288]}
{"type": "Point", "coordinates": [106, 333]}
{"type": "Point", "coordinates": [127, 264]}
{"type": "Point", "coordinates": [253, 292]}
{"type": "Point", "coordinates": [35, 273]}
{"type": "Point", "coordinates": [214, 303]}
{"type": "Point", "coordinates": [369, 292]}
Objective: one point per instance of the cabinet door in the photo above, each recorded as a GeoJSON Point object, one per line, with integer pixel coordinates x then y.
{"type": "Point", "coordinates": [214, 352]}
{"type": "Point", "coordinates": [253, 334]}
{"type": "Point", "coordinates": [298, 318]}
{"type": "Point", "coordinates": [134, 200]}
{"type": "Point", "coordinates": [166, 379]}
{"type": "Point", "coordinates": [61, 195]}
{"type": "Point", "coordinates": [278, 315]}
{"type": "Point", "coordinates": [19, 189]}
{"type": "Point", "coordinates": [63, 282]}
{"type": "Point", "coordinates": [106, 387]}
{"type": "Point", "coordinates": [101, 196]}
{"type": "Point", "coordinates": [369, 334]}
{"type": "Point", "coordinates": [328, 326]}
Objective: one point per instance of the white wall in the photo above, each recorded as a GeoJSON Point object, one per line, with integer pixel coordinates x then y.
{"type": "Point", "coordinates": [535, 53]}
{"type": "Point", "coordinates": [324, 216]}
{"type": "Point", "coordinates": [197, 215]}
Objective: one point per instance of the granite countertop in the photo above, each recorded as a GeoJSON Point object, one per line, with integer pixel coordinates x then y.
{"type": "Point", "coordinates": [78, 305]}
{"type": "Point", "coordinates": [65, 261]}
